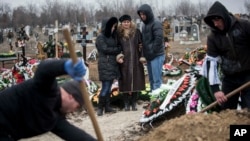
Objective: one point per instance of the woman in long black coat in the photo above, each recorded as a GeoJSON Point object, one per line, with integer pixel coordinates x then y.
{"type": "Point", "coordinates": [108, 49]}
{"type": "Point", "coordinates": [132, 78]}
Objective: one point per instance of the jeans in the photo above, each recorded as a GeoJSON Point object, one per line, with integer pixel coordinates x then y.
{"type": "Point", "coordinates": [231, 83]}
{"type": "Point", "coordinates": [155, 71]}
{"type": "Point", "coordinates": [106, 88]}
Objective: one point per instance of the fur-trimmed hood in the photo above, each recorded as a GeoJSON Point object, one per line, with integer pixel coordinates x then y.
{"type": "Point", "coordinates": [107, 26]}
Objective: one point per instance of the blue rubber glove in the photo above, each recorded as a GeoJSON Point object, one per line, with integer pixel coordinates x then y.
{"type": "Point", "coordinates": [77, 70]}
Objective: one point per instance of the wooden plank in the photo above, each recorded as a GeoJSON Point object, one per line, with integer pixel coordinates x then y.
{"type": "Point", "coordinates": [7, 59]}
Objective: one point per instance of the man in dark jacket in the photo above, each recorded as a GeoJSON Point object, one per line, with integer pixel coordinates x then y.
{"type": "Point", "coordinates": [153, 46]}
{"type": "Point", "coordinates": [39, 104]}
{"type": "Point", "coordinates": [228, 46]}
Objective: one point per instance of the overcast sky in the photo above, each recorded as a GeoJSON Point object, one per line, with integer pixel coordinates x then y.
{"type": "Point", "coordinates": [234, 6]}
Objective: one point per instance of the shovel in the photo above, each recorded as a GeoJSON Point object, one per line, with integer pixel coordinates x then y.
{"type": "Point", "coordinates": [84, 92]}
{"type": "Point", "coordinates": [247, 84]}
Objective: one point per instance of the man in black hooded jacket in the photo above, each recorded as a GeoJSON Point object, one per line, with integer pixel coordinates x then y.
{"type": "Point", "coordinates": [227, 48]}
{"type": "Point", "coordinates": [39, 105]}
{"type": "Point", "coordinates": [153, 46]}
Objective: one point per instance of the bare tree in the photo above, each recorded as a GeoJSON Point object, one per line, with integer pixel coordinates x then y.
{"type": "Point", "coordinates": [90, 14]}
{"type": "Point", "coordinates": [128, 7]}
{"type": "Point", "coordinates": [75, 10]}
{"type": "Point", "coordinates": [247, 6]}
{"type": "Point", "coordinates": [18, 16]}
{"type": "Point", "coordinates": [32, 11]}
{"type": "Point", "coordinates": [185, 7]}
{"type": "Point", "coordinates": [169, 11]}
{"type": "Point", "coordinates": [46, 12]}
{"type": "Point", "coordinates": [203, 7]}
{"type": "Point", "coordinates": [79, 11]}
{"type": "Point", "coordinates": [5, 15]}
{"type": "Point", "coordinates": [107, 9]}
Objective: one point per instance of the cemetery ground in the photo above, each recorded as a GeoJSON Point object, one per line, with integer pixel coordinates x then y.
{"type": "Point", "coordinates": [174, 126]}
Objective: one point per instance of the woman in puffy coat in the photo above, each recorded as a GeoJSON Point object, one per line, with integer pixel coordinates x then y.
{"type": "Point", "coordinates": [108, 49]}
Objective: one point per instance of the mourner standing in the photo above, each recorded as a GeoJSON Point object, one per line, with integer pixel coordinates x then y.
{"type": "Point", "coordinates": [153, 46]}
{"type": "Point", "coordinates": [132, 78]}
{"type": "Point", "coordinates": [108, 48]}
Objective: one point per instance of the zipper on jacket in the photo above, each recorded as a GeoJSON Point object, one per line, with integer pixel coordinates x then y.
{"type": "Point", "coordinates": [108, 58]}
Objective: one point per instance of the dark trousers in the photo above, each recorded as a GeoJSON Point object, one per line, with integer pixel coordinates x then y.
{"type": "Point", "coordinates": [104, 98]}
{"type": "Point", "coordinates": [106, 88]}
{"type": "Point", "coordinates": [4, 136]}
{"type": "Point", "coordinates": [232, 82]}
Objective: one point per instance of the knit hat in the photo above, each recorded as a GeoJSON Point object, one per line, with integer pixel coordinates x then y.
{"type": "Point", "coordinates": [125, 17]}
{"type": "Point", "coordinates": [73, 88]}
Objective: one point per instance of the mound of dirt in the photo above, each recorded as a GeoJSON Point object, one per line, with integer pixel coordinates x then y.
{"type": "Point", "coordinates": [199, 127]}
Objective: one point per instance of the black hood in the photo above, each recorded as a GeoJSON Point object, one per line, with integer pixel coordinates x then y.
{"type": "Point", "coordinates": [146, 9]}
{"type": "Point", "coordinates": [107, 25]}
{"type": "Point", "coordinates": [217, 9]}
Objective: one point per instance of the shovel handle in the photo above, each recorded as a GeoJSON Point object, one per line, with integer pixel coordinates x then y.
{"type": "Point", "coordinates": [85, 94]}
{"type": "Point", "coordinates": [247, 84]}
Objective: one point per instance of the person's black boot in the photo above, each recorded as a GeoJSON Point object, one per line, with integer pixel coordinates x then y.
{"type": "Point", "coordinates": [133, 101]}
{"type": "Point", "coordinates": [100, 106]}
{"type": "Point", "coordinates": [108, 109]}
{"type": "Point", "coordinates": [126, 102]}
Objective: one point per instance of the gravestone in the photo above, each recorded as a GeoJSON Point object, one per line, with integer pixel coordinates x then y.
{"type": "Point", "coordinates": [175, 25]}
{"type": "Point", "coordinates": [183, 35]}
{"type": "Point", "coordinates": [195, 35]}
{"type": "Point", "coordinates": [89, 36]}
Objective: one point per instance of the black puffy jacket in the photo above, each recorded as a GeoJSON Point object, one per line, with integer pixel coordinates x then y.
{"type": "Point", "coordinates": [152, 34]}
{"type": "Point", "coordinates": [237, 29]}
{"type": "Point", "coordinates": [108, 49]}
{"type": "Point", "coordinates": [33, 106]}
